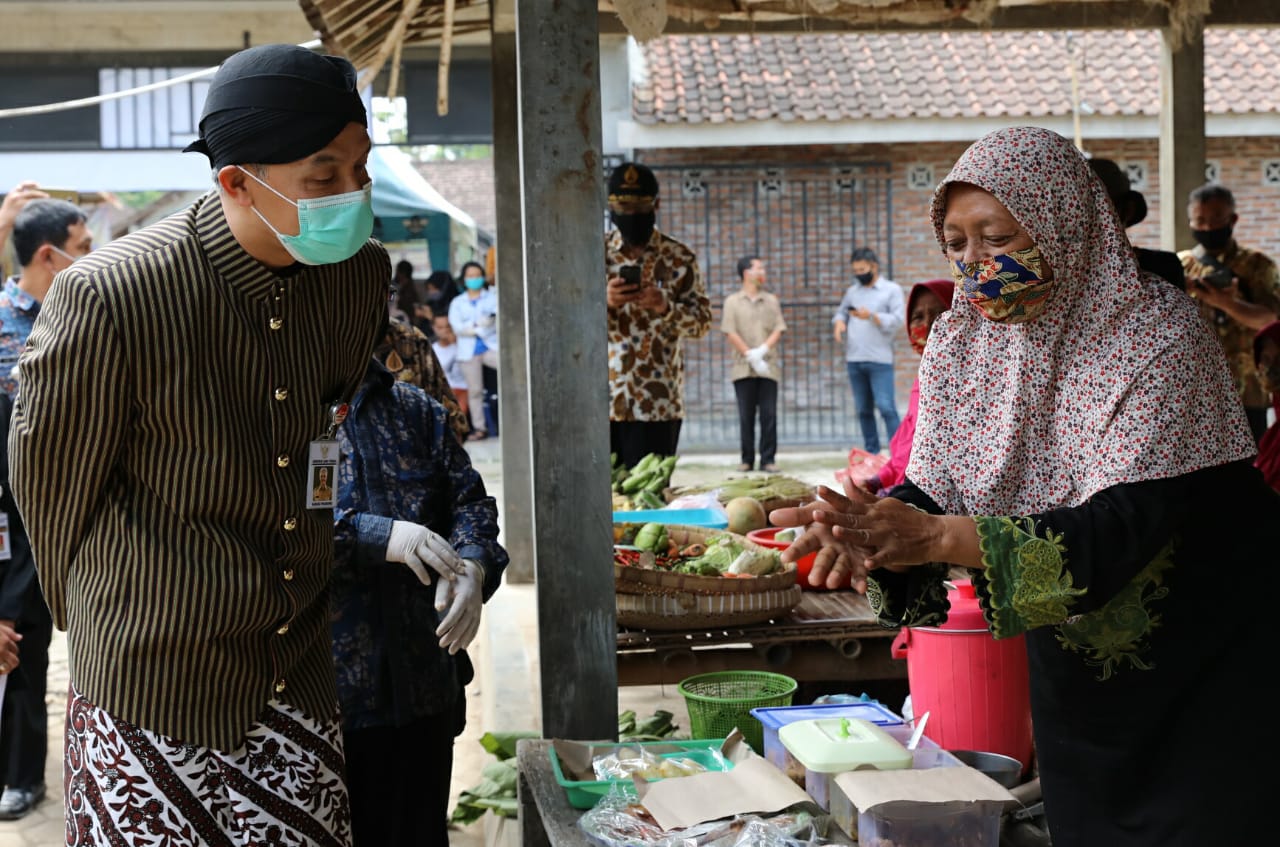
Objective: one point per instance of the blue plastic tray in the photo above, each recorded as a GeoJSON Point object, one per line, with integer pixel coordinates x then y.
{"type": "Point", "coordinates": [709, 518]}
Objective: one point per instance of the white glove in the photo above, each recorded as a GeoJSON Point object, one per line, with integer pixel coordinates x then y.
{"type": "Point", "coordinates": [463, 598]}
{"type": "Point", "coordinates": [755, 358]}
{"type": "Point", "coordinates": [419, 547]}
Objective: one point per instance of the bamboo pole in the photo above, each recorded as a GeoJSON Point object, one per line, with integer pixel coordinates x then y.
{"type": "Point", "coordinates": [388, 46]}
{"type": "Point", "coordinates": [446, 55]}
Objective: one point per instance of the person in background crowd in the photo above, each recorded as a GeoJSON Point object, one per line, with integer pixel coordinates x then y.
{"type": "Point", "coordinates": [1085, 497]}
{"type": "Point", "coordinates": [650, 317]}
{"type": "Point", "coordinates": [410, 357]}
{"type": "Point", "coordinates": [440, 291]}
{"type": "Point", "coordinates": [474, 318]}
{"type": "Point", "coordinates": [865, 322]}
{"type": "Point", "coordinates": [1266, 352]}
{"type": "Point", "coordinates": [446, 350]}
{"type": "Point", "coordinates": [177, 389]}
{"type": "Point", "coordinates": [1238, 289]}
{"type": "Point", "coordinates": [48, 235]}
{"type": "Point", "coordinates": [1131, 206]}
{"type": "Point", "coordinates": [925, 303]}
{"type": "Point", "coordinates": [12, 203]}
{"type": "Point", "coordinates": [753, 323]}
{"type": "Point", "coordinates": [407, 494]}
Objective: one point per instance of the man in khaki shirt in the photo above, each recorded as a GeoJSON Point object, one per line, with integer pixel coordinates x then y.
{"type": "Point", "coordinates": [753, 323]}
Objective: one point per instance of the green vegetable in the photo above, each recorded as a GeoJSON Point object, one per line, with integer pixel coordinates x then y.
{"type": "Point", "coordinates": [652, 537]}
{"type": "Point", "coordinates": [496, 790]}
{"type": "Point", "coordinates": [756, 562]}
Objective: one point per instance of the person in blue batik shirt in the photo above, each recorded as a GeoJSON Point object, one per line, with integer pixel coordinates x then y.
{"type": "Point", "coordinates": [48, 235]}
{"type": "Point", "coordinates": [407, 495]}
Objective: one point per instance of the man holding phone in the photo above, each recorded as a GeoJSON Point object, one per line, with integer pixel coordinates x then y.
{"type": "Point", "coordinates": [1238, 290]}
{"type": "Point", "coordinates": [656, 299]}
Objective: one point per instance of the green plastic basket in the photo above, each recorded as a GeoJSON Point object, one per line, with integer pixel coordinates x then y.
{"type": "Point", "coordinates": [720, 701]}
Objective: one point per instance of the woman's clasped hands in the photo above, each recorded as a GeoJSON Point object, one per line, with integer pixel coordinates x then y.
{"type": "Point", "coordinates": [856, 532]}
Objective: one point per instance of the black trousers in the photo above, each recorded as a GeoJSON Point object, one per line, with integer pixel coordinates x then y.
{"type": "Point", "coordinates": [633, 440]}
{"type": "Point", "coordinates": [398, 779]}
{"type": "Point", "coordinates": [24, 717]}
{"type": "Point", "coordinates": [757, 395]}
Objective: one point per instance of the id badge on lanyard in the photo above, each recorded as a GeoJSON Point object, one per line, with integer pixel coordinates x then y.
{"type": "Point", "coordinates": [6, 552]}
{"type": "Point", "coordinates": [322, 463]}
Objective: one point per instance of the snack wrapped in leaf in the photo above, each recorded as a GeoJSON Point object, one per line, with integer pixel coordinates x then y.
{"type": "Point", "coordinates": [756, 562]}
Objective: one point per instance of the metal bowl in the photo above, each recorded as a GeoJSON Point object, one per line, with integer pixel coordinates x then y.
{"type": "Point", "coordinates": [1005, 770]}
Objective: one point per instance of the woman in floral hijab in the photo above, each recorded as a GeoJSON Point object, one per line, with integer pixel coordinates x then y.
{"type": "Point", "coordinates": [1081, 450]}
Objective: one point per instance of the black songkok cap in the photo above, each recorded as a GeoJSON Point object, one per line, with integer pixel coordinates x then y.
{"type": "Point", "coordinates": [276, 103]}
{"type": "Point", "coordinates": [632, 179]}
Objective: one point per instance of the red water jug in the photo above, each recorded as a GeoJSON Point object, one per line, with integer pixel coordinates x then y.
{"type": "Point", "coordinates": [974, 687]}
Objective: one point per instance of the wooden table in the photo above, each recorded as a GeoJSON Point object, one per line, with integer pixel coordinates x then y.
{"type": "Point", "coordinates": [545, 816]}
{"type": "Point", "coordinates": [830, 635]}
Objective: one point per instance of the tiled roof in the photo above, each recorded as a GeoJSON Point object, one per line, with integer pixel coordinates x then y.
{"type": "Point", "coordinates": [885, 76]}
{"type": "Point", "coordinates": [467, 184]}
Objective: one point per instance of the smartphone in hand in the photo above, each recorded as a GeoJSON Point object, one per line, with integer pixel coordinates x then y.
{"type": "Point", "coordinates": [631, 276]}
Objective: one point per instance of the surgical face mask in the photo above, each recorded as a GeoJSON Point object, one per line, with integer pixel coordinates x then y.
{"type": "Point", "coordinates": [1213, 240]}
{"type": "Point", "coordinates": [63, 253]}
{"type": "Point", "coordinates": [1008, 288]}
{"type": "Point", "coordinates": [474, 283]}
{"type": "Point", "coordinates": [864, 279]}
{"type": "Point", "coordinates": [636, 228]}
{"type": "Point", "coordinates": [330, 229]}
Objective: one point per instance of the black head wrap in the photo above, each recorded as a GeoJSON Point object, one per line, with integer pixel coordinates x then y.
{"type": "Point", "coordinates": [632, 179]}
{"type": "Point", "coordinates": [276, 103]}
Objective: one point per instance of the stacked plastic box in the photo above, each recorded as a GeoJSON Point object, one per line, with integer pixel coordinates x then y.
{"type": "Point", "coordinates": [820, 786]}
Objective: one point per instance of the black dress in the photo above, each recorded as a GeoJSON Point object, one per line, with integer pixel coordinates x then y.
{"type": "Point", "coordinates": [1146, 612]}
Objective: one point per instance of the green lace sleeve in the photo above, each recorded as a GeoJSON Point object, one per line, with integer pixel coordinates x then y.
{"type": "Point", "coordinates": [1026, 583]}
{"type": "Point", "coordinates": [914, 598]}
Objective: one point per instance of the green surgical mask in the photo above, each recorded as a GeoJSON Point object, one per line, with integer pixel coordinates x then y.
{"type": "Point", "coordinates": [330, 229]}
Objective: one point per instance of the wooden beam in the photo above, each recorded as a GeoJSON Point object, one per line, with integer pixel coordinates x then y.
{"type": "Point", "coordinates": [1182, 145]}
{"type": "Point", "coordinates": [513, 361]}
{"type": "Point", "coordinates": [1111, 14]}
{"type": "Point", "coordinates": [559, 57]}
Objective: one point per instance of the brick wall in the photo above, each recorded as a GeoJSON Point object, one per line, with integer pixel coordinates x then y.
{"type": "Point", "coordinates": [914, 250]}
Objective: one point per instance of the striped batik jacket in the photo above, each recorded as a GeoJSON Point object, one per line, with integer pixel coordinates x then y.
{"type": "Point", "coordinates": [159, 448]}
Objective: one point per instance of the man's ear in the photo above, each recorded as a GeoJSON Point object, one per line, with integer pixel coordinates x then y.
{"type": "Point", "coordinates": [233, 182]}
{"type": "Point", "coordinates": [656, 203]}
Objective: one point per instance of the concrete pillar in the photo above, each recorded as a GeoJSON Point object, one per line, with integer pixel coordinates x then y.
{"type": "Point", "coordinates": [1182, 147]}
{"type": "Point", "coordinates": [513, 370]}
{"type": "Point", "coordinates": [564, 283]}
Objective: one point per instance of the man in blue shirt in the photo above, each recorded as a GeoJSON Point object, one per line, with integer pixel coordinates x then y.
{"type": "Point", "coordinates": [407, 494]}
{"type": "Point", "coordinates": [869, 318]}
{"type": "Point", "coordinates": [48, 235]}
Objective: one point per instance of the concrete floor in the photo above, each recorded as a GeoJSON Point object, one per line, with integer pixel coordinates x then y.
{"type": "Point", "coordinates": [506, 692]}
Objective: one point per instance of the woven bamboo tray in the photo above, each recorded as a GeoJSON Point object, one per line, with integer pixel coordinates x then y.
{"type": "Point", "coordinates": [633, 580]}
{"type": "Point", "coordinates": [683, 610]}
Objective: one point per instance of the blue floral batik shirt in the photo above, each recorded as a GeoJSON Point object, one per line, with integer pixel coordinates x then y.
{"type": "Point", "coordinates": [18, 311]}
{"type": "Point", "coordinates": [400, 461]}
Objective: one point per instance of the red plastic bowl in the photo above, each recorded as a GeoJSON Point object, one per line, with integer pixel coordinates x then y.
{"type": "Point", "coordinates": [764, 537]}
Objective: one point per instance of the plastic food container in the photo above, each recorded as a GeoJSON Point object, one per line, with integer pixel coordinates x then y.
{"type": "Point", "coordinates": [963, 810]}
{"type": "Point", "coordinates": [829, 746]}
{"type": "Point", "coordinates": [774, 718]}
{"type": "Point", "coordinates": [583, 794]}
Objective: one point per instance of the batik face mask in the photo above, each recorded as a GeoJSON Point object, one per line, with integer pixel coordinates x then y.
{"type": "Point", "coordinates": [1009, 288]}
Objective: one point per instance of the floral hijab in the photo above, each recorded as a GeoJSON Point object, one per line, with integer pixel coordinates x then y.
{"type": "Point", "coordinates": [1117, 381]}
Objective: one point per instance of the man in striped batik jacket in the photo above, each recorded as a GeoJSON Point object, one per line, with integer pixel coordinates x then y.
{"type": "Point", "coordinates": [181, 387]}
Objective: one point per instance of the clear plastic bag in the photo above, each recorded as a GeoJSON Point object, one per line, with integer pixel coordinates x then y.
{"type": "Point", "coordinates": [619, 820]}
{"type": "Point", "coordinates": [626, 762]}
